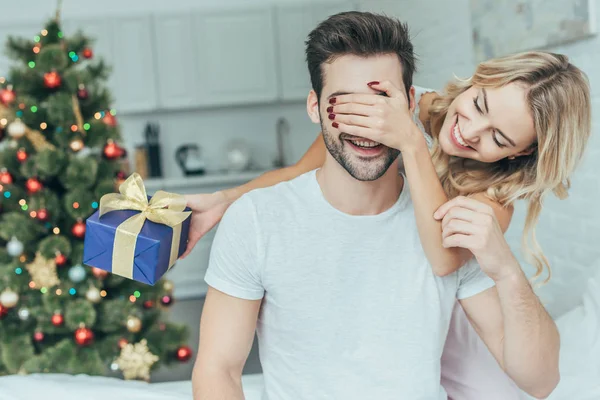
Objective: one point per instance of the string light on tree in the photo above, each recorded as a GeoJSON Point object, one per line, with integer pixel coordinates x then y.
{"type": "Point", "coordinates": [166, 300]}
{"type": "Point", "coordinates": [24, 314]}
{"type": "Point", "coordinates": [52, 80]}
{"type": "Point", "coordinates": [77, 273]}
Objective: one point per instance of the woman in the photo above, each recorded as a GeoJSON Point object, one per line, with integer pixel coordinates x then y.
{"type": "Point", "coordinates": [515, 130]}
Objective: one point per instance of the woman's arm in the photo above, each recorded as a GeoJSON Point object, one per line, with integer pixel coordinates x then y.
{"type": "Point", "coordinates": [208, 208]}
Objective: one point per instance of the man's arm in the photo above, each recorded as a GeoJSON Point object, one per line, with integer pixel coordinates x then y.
{"type": "Point", "coordinates": [518, 331]}
{"type": "Point", "coordinates": [226, 334]}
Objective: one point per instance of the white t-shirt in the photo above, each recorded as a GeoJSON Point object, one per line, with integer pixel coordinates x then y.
{"type": "Point", "coordinates": [351, 308]}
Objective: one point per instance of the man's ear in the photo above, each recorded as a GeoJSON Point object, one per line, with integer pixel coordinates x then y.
{"type": "Point", "coordinates": [312, 107]}
{"type": "Point", "coordinates": [411, 99]}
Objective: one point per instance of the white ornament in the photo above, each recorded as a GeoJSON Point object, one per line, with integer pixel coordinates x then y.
{"type": "Point", "coordinates": [24, 314]}
{"type": "Point", "coordinates": [9, 299]}
{"type": "Point", "coordinates": [16, 129]}
{"type": "Point", "coordinates": [14, 247]}
{"type": "Point", "coordinates": [77, 273]}
{"type": "Point", "coordinates": [93, 294]}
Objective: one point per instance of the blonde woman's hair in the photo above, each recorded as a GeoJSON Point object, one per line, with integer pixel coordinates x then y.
{"type": "Point", "coordinates": [559, 102]}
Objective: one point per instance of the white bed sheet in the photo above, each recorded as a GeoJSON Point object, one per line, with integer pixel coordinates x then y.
{"type": "Point", "coordinates": [78, 387]}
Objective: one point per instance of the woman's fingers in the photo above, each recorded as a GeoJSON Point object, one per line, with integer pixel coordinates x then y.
{"type": "Point", "coordinates": [457, 226]}
{"type": "Point", "coordinates": [465, 202]}
{"type": "Point", "coordinates": [356, 109]}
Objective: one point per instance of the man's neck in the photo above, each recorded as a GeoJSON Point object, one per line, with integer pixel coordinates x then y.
{"type": "Point", "coordinates": [355, 197]}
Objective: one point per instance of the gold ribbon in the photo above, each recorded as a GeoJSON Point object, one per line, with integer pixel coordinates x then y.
{"type": "Point", "coordinates": [164, 208]}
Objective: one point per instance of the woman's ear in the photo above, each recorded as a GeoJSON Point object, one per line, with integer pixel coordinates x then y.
{"type": "Point", "coordinates": [312, 107]}
{"type": "Point", "coordinates": [527, 152]}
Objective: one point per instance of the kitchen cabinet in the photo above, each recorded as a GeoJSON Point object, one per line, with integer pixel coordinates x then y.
{"type": "Point", "coordinates": [134, 72]}
{"type": "Point", "coordinates": [235, 53]}
{"type": "Point", "coordinates": [294, 23]}
{"type": "Point", "coordinates": [176, 67]}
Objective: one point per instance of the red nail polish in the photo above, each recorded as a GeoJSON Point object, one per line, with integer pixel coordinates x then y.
{"type": "Point", "coordinates": [329, 110]}
{"type": "Point", "coordinates": [335, 124]}
{"type": "Point", "coordinates": [373, 83]}
{"type": "Point", "coordinates": [331, 116]}
{"type": "Point", "coordinates": [332, 100]}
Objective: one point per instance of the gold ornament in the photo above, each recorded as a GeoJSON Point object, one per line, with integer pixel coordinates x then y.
{"type": "Point", "coordinates": [136, 360]}
{"type": "Point", "coordinates": [168, 286]}
{"type": "Point", "coordinates": [43, 271]}
{"type": "Point", "coordinates": [134, 324]}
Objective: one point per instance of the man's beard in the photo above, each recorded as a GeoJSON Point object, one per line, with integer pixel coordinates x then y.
{"type": "Point", "coordinates": [362, 170]}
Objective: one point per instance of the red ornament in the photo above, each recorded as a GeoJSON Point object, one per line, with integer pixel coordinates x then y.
{"type": "Point", "coordinates": [33, 185]}
{"type": "Point", "coordinates": [112, 151]}
{"type": "Point", "coordinates": [99, 273]}
{"type": "Point", "coordinates": [148, 304]}
{"type": "Point", "coordinates": [22, 155]}
{"type": "Point", "coordinates": [5, 177]}
{"type": "Point", "coordinates": [42, 215]}
{"type": "Point", "coordinates": [57, 319]}
{"type": "Point", "coordinates": [122, 343]}
{"type": "Point", "coordinates": [84, 336]}
{"type": "Point", "coordinates": [184, 353]}
{"type": "Point", "coordinates": [166, 300]}
{"type": "Point", "coordinates": [110, 119]}
{"type": "Point", "coordinates": [78, 230]}
{"type": "Point", "coordinates": [7, 96]}
{"type": "Point", "coordinates": [38, 336]}
{"type": "Point", "coordinates": [52, 80]}
{"type": "Point", "coordinates": [60, 259]}
{"type": "Point", "coordinates": [88, 53]}
{"type": "Point", "coordinates": [121, 175]}
{"type": "Point", "coordinates": [3, 311]}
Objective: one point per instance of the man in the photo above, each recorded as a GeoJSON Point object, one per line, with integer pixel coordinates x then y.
{"type": "Point", "coordinates": [329, 267]}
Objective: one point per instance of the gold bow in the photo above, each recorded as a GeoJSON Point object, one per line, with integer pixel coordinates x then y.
{"type": "Point", "coordinates": [164, 208]}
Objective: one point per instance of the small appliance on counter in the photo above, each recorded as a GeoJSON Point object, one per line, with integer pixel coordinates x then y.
{"type": "Point", "coordinates": [190, 160]}
{"type": "Point", "coordinates": [238, 156]}
{"type": "Point", "coordinates": [151, 134]}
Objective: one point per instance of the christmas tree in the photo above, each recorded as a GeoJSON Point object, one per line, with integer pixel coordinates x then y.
{"type": "Point", "coordinates": [59, 154]}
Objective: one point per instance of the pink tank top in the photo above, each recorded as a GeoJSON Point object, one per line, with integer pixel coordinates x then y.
{"type": "Point", "coordinates": [469, 371]}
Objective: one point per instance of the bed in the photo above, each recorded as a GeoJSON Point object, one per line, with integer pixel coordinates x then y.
{"type": "Point", "coordinates": [580, 369]}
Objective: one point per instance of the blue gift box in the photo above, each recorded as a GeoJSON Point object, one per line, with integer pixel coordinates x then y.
{"type": "Point", "coordinates": [152, 248]}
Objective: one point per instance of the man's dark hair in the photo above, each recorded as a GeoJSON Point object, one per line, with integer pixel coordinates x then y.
{"type": "Point", "coordinates": [360, 34]}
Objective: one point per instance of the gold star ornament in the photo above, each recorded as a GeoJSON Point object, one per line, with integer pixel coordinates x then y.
{"type": "Point", "coordinates": [43, 271]}
{"type": "Point", "coordinates": [136, 360]}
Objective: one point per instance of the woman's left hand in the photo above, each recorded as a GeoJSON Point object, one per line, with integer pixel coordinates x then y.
{"type": "Point", "coordinates": [472, 225]}
{"type": "Point", "coordinates": [383, 119]}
